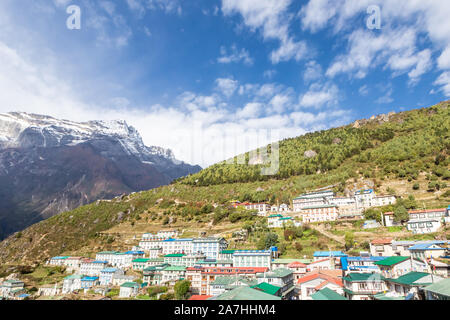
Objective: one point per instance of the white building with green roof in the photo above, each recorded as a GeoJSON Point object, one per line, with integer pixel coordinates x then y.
{"type": "Point", "coordinates": [129, 289]}
{"type": "Point", "coordinates": [72, 283]}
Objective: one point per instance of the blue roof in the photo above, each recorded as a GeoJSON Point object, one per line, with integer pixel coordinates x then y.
{"type": "Point", "coordinates": [99, 261]}
{"type": "Point", "coordinates": [89, 279]}
{"type": "Point", "coordinates": [109, 270]}
{"type": "Point", "coordinates": [184, 239]}
{"type": "Point", "coordinates": [425, 246]}
{"type": "Point", "coordinates": [24, 295]}
{"type": "Point", "coordinates": [371, 258]}
{"type": "Point", "coordinates": [329, 254]}
{"type": "Point", "coordinates": [135, 252]}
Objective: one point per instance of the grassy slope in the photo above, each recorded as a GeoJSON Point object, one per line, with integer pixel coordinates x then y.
{"type": "Point", "coordinates": [420, 136]}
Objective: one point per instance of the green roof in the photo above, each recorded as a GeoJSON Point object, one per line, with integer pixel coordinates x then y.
{"type": "Point", "coordinates": [156, 260]}
{"type": "Point", "coordinates": [175, 268]}
{"type": "Point", "coordinates": [130, 285]}
{"type": "Point", "coordinates": [360, 277]}
{"type": "Point", "coordinates": [382, 296]}
{"type": "Point", "coordinates": [267, 288]}
{"type": "Point", "coordinates": [223, 281]}
{"type": "Point", "coordinates": [275, 216]}
{"type": "Point", "coordinates": [327, 294]}
{"type": "Point", "coordinates": [277, 273]}
{"type": "Point", "coordinates": [174, 255]}
{"type": "Point", "coordinates": [245, 293]}
{"type": "Point", "coordinates": [442, 287]}
{"type": "Point", "coordinates": [141, 260]}
{"type": "Point", "coordinates": [227, 251]}
{"type": "Point", "coordinates": [411, 278]}
{"type": "Point", "coordinates": [390, 261]}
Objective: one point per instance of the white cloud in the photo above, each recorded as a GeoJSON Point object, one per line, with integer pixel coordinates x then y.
{"type": "Point", "coordinates": [444, 59]}
{"type": "Point", "coordinates": [319, 95]}
{"type": "Point", "coordinates": [272, 18]}
{"type": "Point", "coordinates": [227, 86]}
{"type": "Point", "coordinates": [234, 56]}
{"type": "Point", "coordinates": [168, 6]}
{"type": "Point", "coordinates": [444, 82]}
{"type": "Point", "coordinates": [251, 110]}
{"type": "Point", "coordinates": [313, 71]}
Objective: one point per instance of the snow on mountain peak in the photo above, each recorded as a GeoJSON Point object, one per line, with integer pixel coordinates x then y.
{"type": "Point", "coordinates": [20, 129]}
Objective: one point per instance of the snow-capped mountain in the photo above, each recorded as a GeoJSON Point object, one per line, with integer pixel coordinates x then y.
{"type": "Point", "coordinates": [48, 166]}
{"type": "Point", "coordinates": [23, 130]}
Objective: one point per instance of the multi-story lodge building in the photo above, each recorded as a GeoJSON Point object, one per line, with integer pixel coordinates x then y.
{"type": "Point", "coordinates": [320, 213]}
{"type": "Point", "coordinates": [202, 278]}
{"type": "Point", "coordinates": [210, 247]}
{"type": "Point", "coordinates": [252, 258]}
{"type": "Point", "coordinates": [263, 208]}
{"type": "Point", "coordinates": [312, 199]}
{"type": "Point", "coordinates": [421, 221]}
{"type": "Point", "coordinates": [92, 267]}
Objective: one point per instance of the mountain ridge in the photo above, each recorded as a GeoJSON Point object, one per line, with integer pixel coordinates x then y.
{"type": "Point", "coordinates": [48, 166]}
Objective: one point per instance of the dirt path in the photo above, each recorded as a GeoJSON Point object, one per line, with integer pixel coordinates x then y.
{"type": "Point", "coordinates": [320, 228]}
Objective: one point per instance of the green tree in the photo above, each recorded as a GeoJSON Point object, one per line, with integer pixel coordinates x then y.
{"type": "Point", "coordinates": [349, 240]}
{"type": "Point", "coordinates": [267, 240]}
{"type": "Point", "coordinates": [400, 214]}
{"type": "Point", "coordinates": [181, 289]}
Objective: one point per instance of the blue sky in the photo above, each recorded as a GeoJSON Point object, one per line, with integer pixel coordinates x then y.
{"type": "Point", "coordinates": [197, 76]}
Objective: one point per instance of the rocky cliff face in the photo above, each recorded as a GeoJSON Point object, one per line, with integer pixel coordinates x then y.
{"type": "Point", "coordinates": [48, 166]}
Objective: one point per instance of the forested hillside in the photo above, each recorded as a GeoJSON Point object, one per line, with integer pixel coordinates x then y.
{"type": "Point", "coordinates": [395, 145]}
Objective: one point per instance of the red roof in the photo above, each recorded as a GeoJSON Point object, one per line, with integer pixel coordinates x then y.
{"type": "Point", "coordinates": [317, 274]}
{"type": "Point", "coordinates": [234, 270]}
{"type": "Point", "coordinates": [318, 261]}
{"type": "Point", "coordinates": [198, 297]}
{"type": "Point", "coordinates": [382, 241]}
{"type": "Point", "coordinates": [296, 264]}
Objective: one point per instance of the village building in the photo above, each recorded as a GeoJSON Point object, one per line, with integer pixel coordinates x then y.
{"type": "Point", "coordinates": [210, 247]}
{"type": "Point", "coordinates": [202, 277]}
{"type": "Point", "coordinates": [381, 247]}
{"type": "Point", "coordinates": [245, 293]}
{"type": "Point", "coordinates": [12, 288]}
{"type": "Point", "coordinates": [440, 268]}
{"type": "Point", "coordinates": [410, 284]}
{"type": "Point", "coordinates": [327, 294]}
{"type": "Point", "coordinates": [282, 278]}
{"type": "Point", "coordinates": [108, 274]}
{"type": "Point", "coordinates": [128, 290]}
{"type": "Point", "coordinates": [57, 261]}
{"type": "Point", "coordinates": [50, 290]}
{"type": "Point", "coordinates": [363, 286]}
{"type": "Point", "coordinates": [438, 291]}
{"type": "Point", "coordinates": [269, 289]}
{"type": "Point", "coordinates": [72, 283]}
{"type": "Point", "coordinates": [298, 269]}
{"type": "Point", "coordinates": [172, 274]}
{"type": "Point", "coordinates": [434, 249]}
{"type": "Point", "coordinates": [170, 246]}
{"type": "Point", "coordinates": [321, 213]}
{"type": "Point", "coordinates": [396, 266]}
{"type": "Point", "coordinates": [424, 226]}
{"type": "Point", "coordinates": [283, 222]}
{"type": "Point", "coordinates": [252, 258]}
{"type": "Point", "coordinates": [92, 267]}
{"type": "Point", "coordinates": [312, 282]}
{"type": "Point", "coordinates": [118, 280]}
{"type": "Point", "coordinates": [262, 208]}
{"type": "Point", "coordinates": [192, 259]}
{"type": "Point", "coordinates": [175, 259]}
{"type": "Point", "coordinates": [140, 264]}
{"type": "Point", "coordinates": [283, 263]}
{"type": "Point", "coordinates": [224, 283]}
{"type": "Point", "coordinates": [362, 264]}
{"type": "Point", "coordinates": [226, 254]}
{"type": "Point", "coordinates": [312, 199]}
{"type": "Point", "coordinates": [214, 263]}
{"type": "Point", "coordinates": [430, 219]}
{"type": "Point", "coordinates": [89, 282]}
{"type": "Point", "coordinates": [153, 275]}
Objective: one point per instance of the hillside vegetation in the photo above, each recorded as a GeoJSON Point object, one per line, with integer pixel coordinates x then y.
{"type": "Point", "coordinates": [405, 154]}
